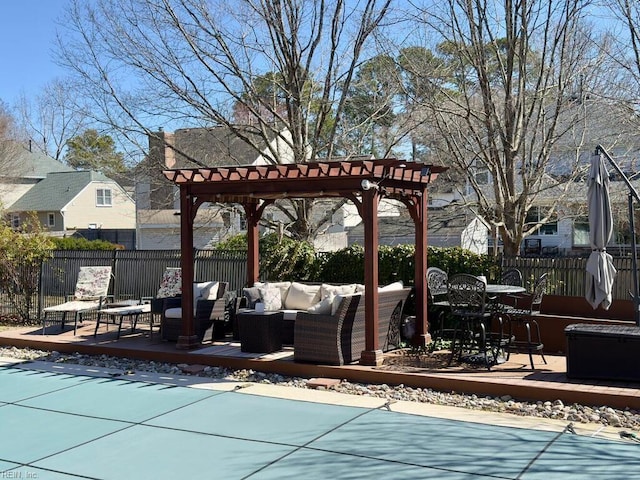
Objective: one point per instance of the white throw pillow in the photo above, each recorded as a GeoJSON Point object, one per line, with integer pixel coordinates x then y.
{"type": "Point", "coordinates": [283, 286]}
{"type": "Point", "coordinates": [337, 300]}
{"type": "Point", "coordinates": [323, 306]}
{"type": "Point", "coordinates": [326, 289]}
{"type": "Point", "coordinates": [271, 297]}
{"type": "Point", "coordinates": [301, 296]}
{"type": "Point", "coordinates": [205, 290]}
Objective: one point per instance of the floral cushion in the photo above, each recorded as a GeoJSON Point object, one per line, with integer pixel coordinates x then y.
{"type": "Point", "coordinates": [93, 282]}
{"type": "Point", "coordinates": [171, 283]}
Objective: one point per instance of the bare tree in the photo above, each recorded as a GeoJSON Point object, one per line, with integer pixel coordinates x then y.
{"type": "Point", "coordinates": [509, 103]}
{"type": "Point", "coordinates": [52, 118]}
{"type": "Point", "coordinates": [201, 63]}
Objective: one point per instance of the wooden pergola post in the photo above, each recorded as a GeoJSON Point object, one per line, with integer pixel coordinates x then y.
{"type": "Point", "coordinates": [372, 355]}
{"type": "Point", "coordinates": [418, 210]}
{"type": "Point", "coordinates": [188, 339]}
{"type": "Point", "coordinates": [253, 248]}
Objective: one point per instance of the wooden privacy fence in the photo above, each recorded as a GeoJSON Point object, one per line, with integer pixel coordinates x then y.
{"type": "Point", "coordinates": [567, 276]}
{"type": "Point", "coordinates": [136, 273]}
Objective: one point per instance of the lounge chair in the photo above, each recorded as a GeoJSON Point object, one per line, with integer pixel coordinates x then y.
{"type": "Point", "coordinates": [90, 294]}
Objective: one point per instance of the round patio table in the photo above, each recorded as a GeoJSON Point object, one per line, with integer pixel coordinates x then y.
{"type": "Point", "coordinates": [499, 289]}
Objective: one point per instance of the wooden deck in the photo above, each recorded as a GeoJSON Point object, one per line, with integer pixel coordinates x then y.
{"type": "Point", "coordinates": [514, 378]}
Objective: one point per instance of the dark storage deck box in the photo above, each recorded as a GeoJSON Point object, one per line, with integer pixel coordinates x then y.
{"type": "Point", "coordinates": [609, 352]}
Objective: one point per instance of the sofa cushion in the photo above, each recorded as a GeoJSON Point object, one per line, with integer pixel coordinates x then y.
{"type": "Point", "coordinates": [252, 295]}
{"type": "Point", "coordinates": [271, 297]}
{"type": "Point", "coordinates": [323, 306]}
{"type": "Point", "coordinates": [301, 296]}
{"type": "Point", "coordinates": [283, 286]}
{"type": "Point", "coordinates": [327, 289]}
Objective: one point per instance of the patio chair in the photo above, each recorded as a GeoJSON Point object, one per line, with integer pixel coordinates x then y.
{"type": "Point", "coordinates": [521, 316]}
{"type": "Point", "coordinates": [90, 294]}
{"type": "Point", "coordinates": [437, 302]}
{"type": "Point", "coordinates": [511, 276]}
{"type": "Point", "coordinates": [209, 303]}
{"type": "Point", "coordinates": [473, 336]}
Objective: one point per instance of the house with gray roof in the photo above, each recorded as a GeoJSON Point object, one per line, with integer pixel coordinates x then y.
{"type": "Point", "coordinates": [68, 201]}
{"type": "Point", "coordinates": [21, 169]}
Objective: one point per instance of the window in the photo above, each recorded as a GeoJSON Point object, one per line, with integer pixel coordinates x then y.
{"type": "Point", "coordinates": [103, 197]}
{"type": "Point", "coordinates": [534, 215]}
{"type": "Point", "coordinates": [51, 219]}
{"type": "Point", "coordinates": [15, 220]}
{"type": "Point", "coordinates": [581, 232]}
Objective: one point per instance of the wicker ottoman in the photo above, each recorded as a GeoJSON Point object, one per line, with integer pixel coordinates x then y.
{"type": "Point", "coordinates": [260, 332]}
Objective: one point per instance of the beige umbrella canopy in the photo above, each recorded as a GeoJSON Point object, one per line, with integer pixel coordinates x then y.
{"type": "Point", "coordinates": [600, 270]}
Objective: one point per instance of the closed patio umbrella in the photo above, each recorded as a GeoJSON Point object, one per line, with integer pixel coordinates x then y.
{"type": "Point", "coordinates": [600, 269]}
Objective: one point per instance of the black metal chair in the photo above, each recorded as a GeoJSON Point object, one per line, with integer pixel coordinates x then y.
{"type": "Point", "coordinates": [521, 317]}
{"type": "Point", "coordinates": [473, 337]}
{"type": "Point", "coordinates": [437, 301]}
{"type": "Point", "coordinates": [511, 276]}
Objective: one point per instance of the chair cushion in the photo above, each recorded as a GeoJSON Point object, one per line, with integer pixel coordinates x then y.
{"type": "Point", "coordinates": [301, 296]}
{"type": "Point", "coordinates": [93, 282]}
{"type": "Point", "coordinates": [271, 297]}
{"type": "Point", "coordinates": [171, 283]}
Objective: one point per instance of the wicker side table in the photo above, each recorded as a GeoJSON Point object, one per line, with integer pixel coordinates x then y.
{"type": "Point", "coordinates": [260, 332]}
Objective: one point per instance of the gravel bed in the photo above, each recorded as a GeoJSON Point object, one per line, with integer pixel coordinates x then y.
{"type": "Point", "coordinates": [628, 419]}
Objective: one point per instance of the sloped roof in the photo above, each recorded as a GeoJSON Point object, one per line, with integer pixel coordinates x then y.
{"type": "Point", "coordinates": [56, 191]}
{"type": "Point", "coordinates": [447, 222]}
{"type": "Point", "coordinates": [216, 146]}
{"type": "Point", "coordinates": [164, 218]}
{"type": "Point", "coordinates": [22, 163]}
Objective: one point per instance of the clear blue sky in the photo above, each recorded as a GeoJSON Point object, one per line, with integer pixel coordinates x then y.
{"type": "Point", "coordinates": [27, 35]}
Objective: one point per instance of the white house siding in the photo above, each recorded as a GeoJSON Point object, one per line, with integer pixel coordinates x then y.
{"type": "Point", "coordinates": [281, 145]}
{"type": "Point", "coordinates": [475, 237]}
{"type": "Point", "coordinates": [10, 191]}
{"type": "Point", "coordinates": [82, 211]}
{"type": "Point", "coordinates": [165, 238]}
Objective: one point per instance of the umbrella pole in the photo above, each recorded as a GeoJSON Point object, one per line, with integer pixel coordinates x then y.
{"type": "Point", "coordinates": [633, 193]}
{"type": "Point", "coordinates": [636, 298]}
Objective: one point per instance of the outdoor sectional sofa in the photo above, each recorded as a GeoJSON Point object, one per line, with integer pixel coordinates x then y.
{"type": "Point", "coordinates": [326, 323]}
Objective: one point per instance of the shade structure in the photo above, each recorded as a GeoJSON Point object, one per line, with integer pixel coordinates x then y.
{"type": "Point", "coordinates": [600, 272]}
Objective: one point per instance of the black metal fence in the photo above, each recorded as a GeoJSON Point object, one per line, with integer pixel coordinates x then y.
{"type": "Point", "coordinates": [136, 273]}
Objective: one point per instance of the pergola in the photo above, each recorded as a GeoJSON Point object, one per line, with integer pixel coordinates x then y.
{"type": "Point", "coordinates": [364, 182]}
